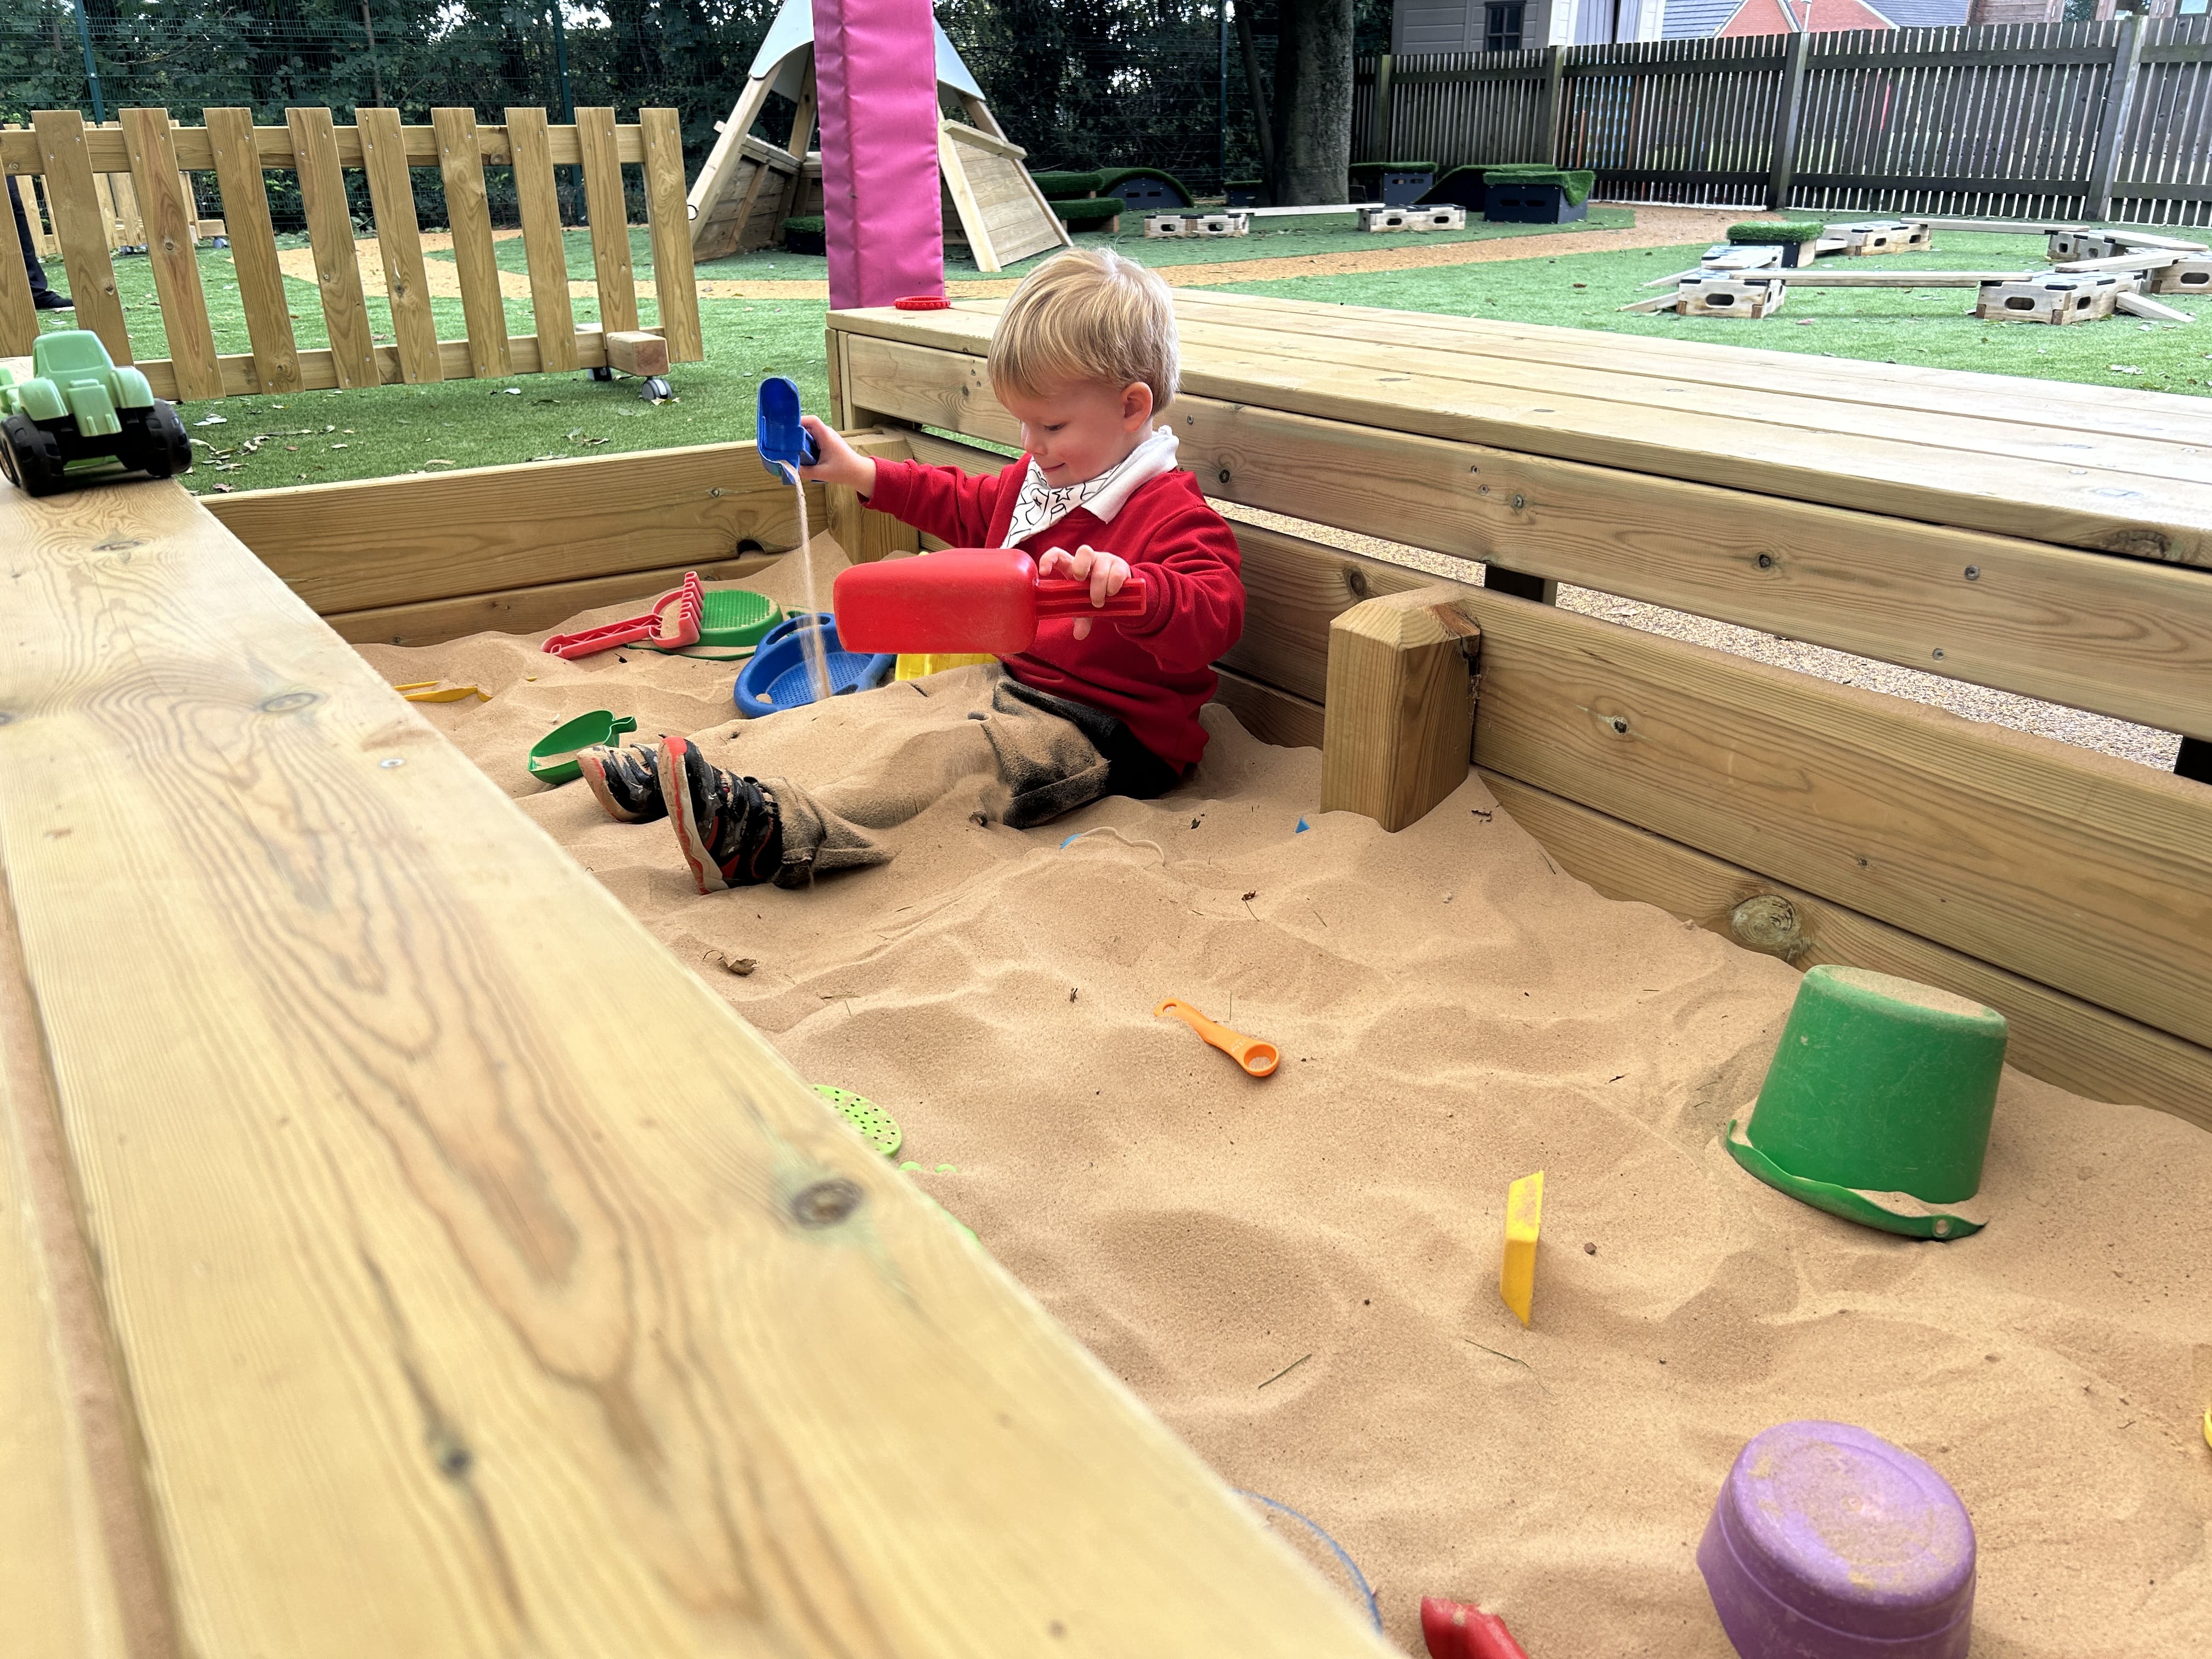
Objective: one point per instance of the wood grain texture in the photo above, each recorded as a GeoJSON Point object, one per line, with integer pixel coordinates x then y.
{"type": "Point", "coordinates": [2123, 636]}
{"type": "Point", "coordinates": [172, 252]}
{"type": "Point", "coordinates": [2085, 873]}
{"type": "Point", "coordinates": [242, 374]}
{"type": "Point", "coordinates": [638, 353]}
{"type": "Point", "coordinates": [1400, 706]}
{"type": "Point", "coordinates": [714, 231]}
{"type": "Point", "coordinates": [673, 284]}
{"type": "Point", "coordinates": [969, 211]}
{"type": "Point", "coordinates": [1966, 470]}
{"type": "Point", "coordinates": [2061, 1039]}
{"type": "Point", "coordinates": [438, 1343]}
{"type": "Point", "coordinates": [604, 207]}
{"type": "Point", "coordinates": [400, 245]}
{"type": "Point", "coordinates": [552, 320]}
{"type": "Point", "coordinates": [524, 610]}
{"type": "Point", "coordinates": [330, 233]}
{"type": "Point", "coordinates": [19, 316]}
{"type": "Point", "coordinates": [483, 312]}
{"type": "Point", "coordinates": [365, 545]}
{"type": "Point", "coordinates": [1269, 713]}
{"type": "Point", "coordinates": [57, 1571]}
{"type": "Point", "coordinates": [275, 359]}
{"type": "Point", "coordinates": [79, 225]}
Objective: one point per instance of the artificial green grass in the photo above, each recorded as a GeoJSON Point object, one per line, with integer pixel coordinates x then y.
{"type": "Point", "coordinates": [327, 436]}
{"type": "Point", "coordinates": [1932, 327]}
{"type": "Point", "coordinates": [324, 437]}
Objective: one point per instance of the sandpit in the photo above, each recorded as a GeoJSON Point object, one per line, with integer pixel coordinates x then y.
{"type": "Point", "coordinates": [1299, 1274]}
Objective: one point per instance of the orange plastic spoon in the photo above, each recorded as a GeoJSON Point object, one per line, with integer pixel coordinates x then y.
{"type": "Point", "coordinates": [1258, 1058]}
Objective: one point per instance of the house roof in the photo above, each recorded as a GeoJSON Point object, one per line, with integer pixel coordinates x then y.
{"type": "Point", "coordinates": [1925, 14]}
{"type": "Point", "coordinates": [1697, 20]}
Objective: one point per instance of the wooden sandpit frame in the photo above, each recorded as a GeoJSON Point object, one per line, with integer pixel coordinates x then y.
{"type": "Point", "coordinates": [416, 1258]}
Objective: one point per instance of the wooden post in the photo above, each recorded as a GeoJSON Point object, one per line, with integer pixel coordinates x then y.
{"type": "Point", "coordinates": [1789, 106]}
{"type": "Point", "coordinates": [1382, 112]}
{"type": "Point", "coordinates": [1399, 728]}
{"type": "Point", "coordinates": [2119, 95]}
{"type": "Point", "coordinates": [1555, 74]}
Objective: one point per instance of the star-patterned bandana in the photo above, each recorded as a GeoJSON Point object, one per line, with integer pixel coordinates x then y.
{"type": "Point", "coordinates": [1040, 506]}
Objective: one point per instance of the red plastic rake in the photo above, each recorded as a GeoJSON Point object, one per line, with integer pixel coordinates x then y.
{"type": "Point", "coordinates": [655, 625]}
{"type": "Point", "coordinates": [963, 599]}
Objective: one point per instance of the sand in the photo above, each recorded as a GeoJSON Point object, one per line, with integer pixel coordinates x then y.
{"type": "Point", "coordinates": [1299, 1274]}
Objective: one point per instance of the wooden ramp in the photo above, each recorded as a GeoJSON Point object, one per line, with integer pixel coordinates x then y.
{"type": "Point", "coordinates": [357, 1298]}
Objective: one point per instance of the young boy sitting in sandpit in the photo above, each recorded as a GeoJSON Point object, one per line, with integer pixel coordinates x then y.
{"type": "Point", "coordinates": [1084, 357]}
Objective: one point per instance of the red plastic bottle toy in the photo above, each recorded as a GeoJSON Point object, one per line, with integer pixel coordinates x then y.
{"type": "Point", "coordinates": [963, 599]}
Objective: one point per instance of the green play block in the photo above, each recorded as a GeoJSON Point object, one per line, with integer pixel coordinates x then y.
{"type": "Point", "coordinates": [1878, 1104]}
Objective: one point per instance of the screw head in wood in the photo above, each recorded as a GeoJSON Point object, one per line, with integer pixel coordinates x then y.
{"type": "Point", "coordinates": [1519, 501]}
{"type": "Point", "coordinates": [1938, 654]}
{"type": "Point", "coordinates": [1973, 573]}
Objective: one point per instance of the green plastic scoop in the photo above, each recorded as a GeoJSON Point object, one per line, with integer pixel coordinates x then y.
{"type": "Point", "coordinates": [553, 758]}
{"type": "Point", "coordinates": [877, 1126]}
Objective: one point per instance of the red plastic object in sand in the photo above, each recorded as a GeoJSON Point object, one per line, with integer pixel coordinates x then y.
{"type": "Point", "coordinates": [1460, 1630]}
{"type": "Point", "coordinates": [655, 626]}
{"type": "Point", "coordinates": [963, 599]}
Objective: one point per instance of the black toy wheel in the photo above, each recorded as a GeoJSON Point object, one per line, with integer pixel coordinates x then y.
{"type": "Point", "coordinates": [602, 373]}
{"type": "Point", "coordinates": [31, 458]}
{"type": "Point", "coordinates": [656, 390]}
{"type": "Point", "coordinates": [155, 441]}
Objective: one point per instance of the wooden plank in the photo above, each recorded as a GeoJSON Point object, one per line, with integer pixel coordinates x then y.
{"type": "Point", "coordinates": [80, 227]}
{"type": "Point", "coordinates": [171, 252]}
{"type": "Point", "coordinates": [969, 210]}
{"type": "Point", "coordinates": [2124, 636]}
{"type": "Point", "coordinates": [1949, 829]}
{"type": "Point", "coordinates": [330, 233]}
{"type": "Point", "coordinates": [19, 316]}
{"type": "Point", "coordinates": [1269, 714]}
{"type": "Point", "coordinates": [1933, 468]}
{"type": "Point", "coordinates": [261, 296]}
{"type": "Point", "coordinates": [109, 155]}
{"type": "Point", "coordinates": [719, 174]}
{"type": "Point", "coordinates": [2142, 305]}
{"type": "Point", "coordinates": [316, 374]}
{"type": "Point", "coordinates": [552, 320]}
{"type": "Point", "coordinates": [399, 244]}
{"type": "Point", "coordinates": [484, 311]}
{"type": "Point", "coordinates": [377, 542]}
{"type": "Point", "coordinates": [1400, 706]}
{"type": "Point", "coordinates": [677, 294]}
{"type": "Point", "coordinates": [637, 353]}
{"type": "Point", "coordinates": [2058, 1038]}
{"type": "Point", "coordinates": [805, 115]}
{"type": "Point", "coordinates": [609, 214]}
{"type": "Point", "coordinates": [694, 1374]}
{"type": "Point", "coordinates": [2119, 94]}
{"type": "Point", "coordinates": [60, 1416]}
{"type": "Point", "coordinates": [525, 610]}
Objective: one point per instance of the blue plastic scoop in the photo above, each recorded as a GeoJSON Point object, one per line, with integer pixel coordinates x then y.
{"type": "Point", "coordinates": [782, 439]}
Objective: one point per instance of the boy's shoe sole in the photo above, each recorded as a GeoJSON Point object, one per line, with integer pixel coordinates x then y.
{"type": "Point", "coordinates": [593, 764]}
{"type": "Point", "coordinates": [693, 836]}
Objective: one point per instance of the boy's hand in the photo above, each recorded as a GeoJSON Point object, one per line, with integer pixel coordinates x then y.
{"type": "Point", "coordinates": [1106, 572]}
{"type": "Point", "coordinates": [841, 464]}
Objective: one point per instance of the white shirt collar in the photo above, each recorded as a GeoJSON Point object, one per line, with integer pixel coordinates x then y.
{"type": "Point", "coordinates": [1040, 506]}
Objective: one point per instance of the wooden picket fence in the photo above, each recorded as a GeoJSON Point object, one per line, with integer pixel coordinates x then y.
{"type": "Point", "coordinates": [2090, 120]}
{"type": "Point", "coordinates": [67, 158]}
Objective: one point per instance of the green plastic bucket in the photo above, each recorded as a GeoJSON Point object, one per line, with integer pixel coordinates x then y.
{"type": "Point", "coordinates": [1877, 1105]}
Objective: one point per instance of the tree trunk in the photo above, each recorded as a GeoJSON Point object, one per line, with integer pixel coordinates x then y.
{"type": "Point", "coordinates": [1313, 101]}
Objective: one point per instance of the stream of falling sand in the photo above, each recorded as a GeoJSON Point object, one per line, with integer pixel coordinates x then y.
{"type": "Point", "coordinates": [809, 637]}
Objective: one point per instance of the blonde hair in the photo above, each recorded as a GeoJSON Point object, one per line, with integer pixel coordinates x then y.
{"type": "Point", "coordinates": [1088, 315]}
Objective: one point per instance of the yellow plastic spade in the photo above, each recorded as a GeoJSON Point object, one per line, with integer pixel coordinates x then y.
{"type": "Point", "coordinates": [450, 694]}
{"type": "Point", "coordinates": [1524, 1216]}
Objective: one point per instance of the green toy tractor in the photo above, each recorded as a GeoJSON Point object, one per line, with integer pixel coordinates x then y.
{"type": "Point", "coordinates": [79, 407]}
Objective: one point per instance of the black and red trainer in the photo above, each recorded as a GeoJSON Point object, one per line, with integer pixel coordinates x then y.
{"type": "Point", "coordinates": [726, 825]}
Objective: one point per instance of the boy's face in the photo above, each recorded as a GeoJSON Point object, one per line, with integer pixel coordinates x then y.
{"type": "Point", "coordinates": [1077, 431]}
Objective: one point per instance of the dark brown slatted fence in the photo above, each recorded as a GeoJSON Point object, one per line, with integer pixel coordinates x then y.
{"type": "Point", "coordinates": [2040, 120]}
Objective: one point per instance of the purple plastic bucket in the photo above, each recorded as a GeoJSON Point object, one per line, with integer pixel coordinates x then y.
{"type": "Point", "coordinates": [1827, 1542]}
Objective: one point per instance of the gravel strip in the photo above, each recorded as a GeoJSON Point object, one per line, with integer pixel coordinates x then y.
{"type": "Point", "coordinates": [2129, 741]}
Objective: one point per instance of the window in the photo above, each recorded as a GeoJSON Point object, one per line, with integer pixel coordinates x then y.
{"type": "Point", "coordinates": [1501, 26]}
{"type": "Point", "coordinates": [2192, 8]}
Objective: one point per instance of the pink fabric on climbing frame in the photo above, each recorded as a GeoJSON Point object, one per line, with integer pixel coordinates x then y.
{"type": "Point", "coordinates": [875, 72]}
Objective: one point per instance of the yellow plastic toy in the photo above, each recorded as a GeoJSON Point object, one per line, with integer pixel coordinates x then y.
{"type": "Point", "coordinates": [913, 667]}
{"type": "Point", "coordinates": [1524, 1216]}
